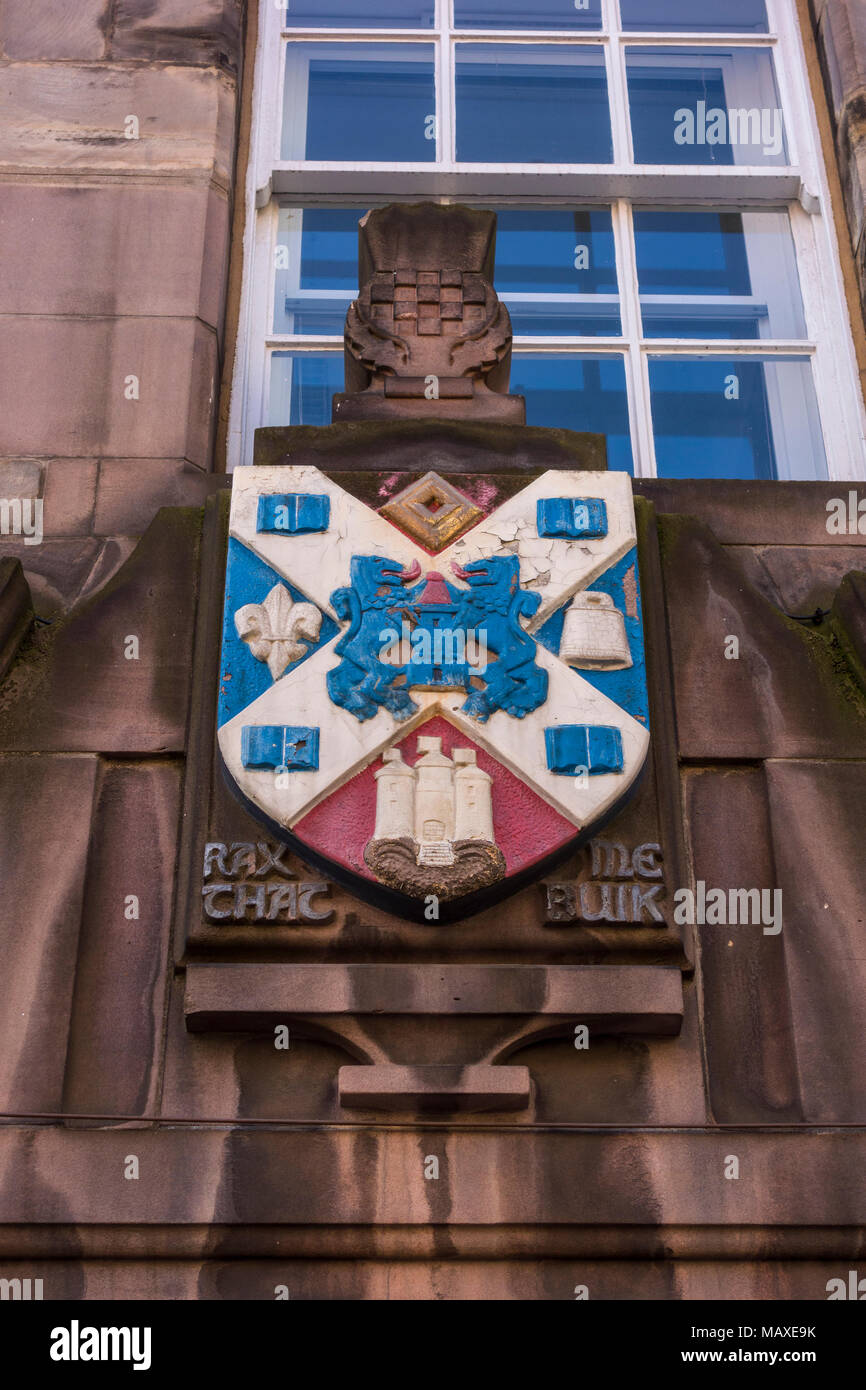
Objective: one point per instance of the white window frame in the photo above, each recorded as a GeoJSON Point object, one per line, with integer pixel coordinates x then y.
{"type": "Point", "coordinates": [801, 186]}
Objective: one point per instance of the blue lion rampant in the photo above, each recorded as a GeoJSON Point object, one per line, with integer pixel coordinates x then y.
{"type": "Point", "coordinates": [491, 607]}
{"type": "Point", "coordinates": [493, 604]}
{"type": "Point", "coordinates": [362, 683]}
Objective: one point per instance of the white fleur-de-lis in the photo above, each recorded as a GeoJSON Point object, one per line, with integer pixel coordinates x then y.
{"type": "Point", "coordinates": [278, 631]}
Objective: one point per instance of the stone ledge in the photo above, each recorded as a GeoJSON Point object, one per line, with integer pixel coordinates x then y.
{"type": "Point", "coordinates": [258, 997]}
{"type": "Point", "coordinates": [795, 1184]}
{"type": "Point", "coordinates": [421, 1088]}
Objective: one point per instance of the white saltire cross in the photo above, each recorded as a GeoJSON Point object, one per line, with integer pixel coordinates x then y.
{"type": "Point", "coordinates": [317, 563]}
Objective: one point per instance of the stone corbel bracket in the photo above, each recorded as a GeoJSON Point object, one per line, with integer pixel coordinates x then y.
{"type": "Point", "coordinates": [431, 1037]}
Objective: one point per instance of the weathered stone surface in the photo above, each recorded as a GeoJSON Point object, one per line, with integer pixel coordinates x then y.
{"type": "Point", "coordinates": [444, 445]}
{"type": "Point", "coordinates": [817, 827]}
{"type": "Point", "coordinates": [415, 321]}
{"type": "Point", "coordinates": [488, 1178]}
{"type": "Point", "coordinates": [522, 1279]}
{"type": "Point", "coordinates": [182, 31]}
{"type": "Point", "coordinates": [69, 496]}
{"type": "Point", "coordinates": [130, 492]}
{"type": "Point", "coordinates": [56, 571]}
{"type": "Point", "coordinates": [612, 998]}
{"type": "Point", "coordinates": [423, 1088]}
{"type": "Point", "coordinates": [120, 978]}
{"type": "Point", "coordinates": [43, 875]}
{"type": "Point", "coordinates": [841, 36]}
{"type": "Point", "coordinates": [849, 612]}
{"type": "Point", "coordinates": [20, 478]}
{"type": "Point", "coordinates": [112, 554]}
{"type": "Point", "coordinates": [42, 29]}
{"type": "Point", "coordinates": [747, 1016]}
{"type": "Point", "coordinates": [67, 387]}
{"type": "Point", "coordinates": [68, 118]}
{"type": "Point", "coordinates": [790, 693]}
{"type": "Point", "coordinates": [16, 611]}
{"type": "Point", "coordinates": [243, 1074]}
{"type": "Point", "coordinates": [753, 513]}
{"type": "Point", "coordinates": [73, 688]}
{"type": "Point", "coordinates": [799, 579]}
{"type": "Point", "coordinates": [113, 250]}
{"type": "Point", "coordinates": [619, 1080]}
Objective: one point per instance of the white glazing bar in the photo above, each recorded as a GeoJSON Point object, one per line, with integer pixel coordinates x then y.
{"type": "Point", "coordinates": [553, 347]}
{"type": "Point", "coordinates": [617, 87]}
{"type": "Point", "coordinates": [637, 370]}
{"type": "Point", "coordinates": [364, 35]}
{"type": "Point", "coordinates": [445, 115]}
{"type": "Point", "coordinates": [683, 40]}
{"type": "Point", "coordinates": [727, 347]}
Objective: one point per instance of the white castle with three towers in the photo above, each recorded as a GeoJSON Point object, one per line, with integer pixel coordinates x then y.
{"type": "Point", "coordinates": [434, 803]}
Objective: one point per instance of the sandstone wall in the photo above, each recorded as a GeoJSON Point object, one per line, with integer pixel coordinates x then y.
{"type": "Point", "coordinates": [113, 264]}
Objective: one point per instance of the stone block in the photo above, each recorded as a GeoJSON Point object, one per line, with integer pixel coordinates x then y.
{"type": "Point", "coordinates": [20, 478]}
{"type": "Point", "coordinates": [45, 30]}
{"type": "Point", "coordinates": [817, 829]}
{"type": "Point", "coordinates": [113, 553]}
{"type": "Point", "coordinates": [841, 32]}
{"type": "Point", "coordinates": [748, 1026]}
{"type": "Point", "coordinates": [113, 250]}
{"type": "Point", "coordinates": [446, 446]}
{"type": "Point", "coordinates": [612, 999]}
{"type": "Point", "coordinates": [131, 491]}
{"type": "Point", "coordinates": [786, 694]}
{"type": "Point", "coordinates": [179, 31]}
{"type": "Point", "coordinates": [16, 611]}
{"type": "Point", "coordinates": [70, 119]}
{"type": "Point", "coordinates": [56, 571]}
{"type": "Point", "coordinates": [69, 497]}
{"type": "Point", "coordinates": [202, 402]}
{"type": "Point", "coordinates": [118, 1002]}
{"type": "Point", "coordinates": [69, 389]}
{"type": "Point", "coordinates": [629, 1192]}
{"type": "Point", "coordinates": [752, 513]}
{"type": "Point", "coordinates": [621, 1080]}
{"type": "Point", "coordinates": [75, 689]}
{"type": "Point", "coordinates": [430, 1088]}
{"type": "Point", "coordinates": [799, 579]}
{"type": "Point", "coordinates": [43, 876]}
{"type": "Point", "coordinates": [849, 612]}
{"type": "Point", "coordinates": [841, 37]}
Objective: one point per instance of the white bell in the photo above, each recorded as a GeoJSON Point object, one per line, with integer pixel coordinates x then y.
{"type": "Point", "coordinates": [593, 634]}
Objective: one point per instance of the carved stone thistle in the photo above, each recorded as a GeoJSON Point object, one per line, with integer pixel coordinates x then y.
{"type": "Point", "coordinates": [427, 336]}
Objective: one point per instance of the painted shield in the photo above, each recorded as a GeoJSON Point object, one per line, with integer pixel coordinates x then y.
{"type": "Point", "coordinates": [434, 700]}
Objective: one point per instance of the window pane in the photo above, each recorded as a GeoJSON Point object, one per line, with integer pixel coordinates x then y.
{"type": "Point", "coordinates": [517, 14]}
{"type": "Point", "coordinates": [348, 14]}
{"type": "Point", "coordinates": [532, 104]}
{"type": "Point", "coordinates": [577, 393]}
{"type": "Point", "coordinates": [691, 17]}
{"type": "Point", "coordinates": [718, 275]}
{"type": "Point", "coordinates": [737, 417]}
{"type": "Point", "coordinates": [316, 269]}
{"type": "Point", "coordinates": [301, 387]}
{"type": "Point", "coordinates": [705, 106]}
{"type": "Point", "coordinates": [363, 102]}
{"type": "Point", "coordinates": [556, 271]}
